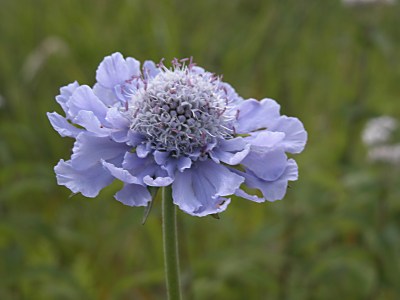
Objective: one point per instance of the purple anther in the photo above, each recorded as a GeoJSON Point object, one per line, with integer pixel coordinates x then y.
{"type": "Point", "coordinates": [161, 63]}
{"type": "Point", "coordinates": [191, 63]}
{"type": "Point", "coordinates": [237, 114]}
{"type": "Point", "coordinates": [175, 63]}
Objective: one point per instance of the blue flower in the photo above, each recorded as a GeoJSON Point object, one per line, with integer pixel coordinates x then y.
{"type": "Point", "coordinates": [179, 126]}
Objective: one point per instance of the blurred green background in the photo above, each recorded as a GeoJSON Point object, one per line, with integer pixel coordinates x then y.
{"type": "Point", "coordinates": [336, 235]}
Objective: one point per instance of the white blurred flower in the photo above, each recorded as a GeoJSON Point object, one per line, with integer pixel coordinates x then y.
{"type": "Point", "coordinates": [377, 136]}
{"type": "Point", "coordinates": [366, 2]}
{"type": "Point", "coordinates": [378, 130]}
{"type": "Point", "coordinates": [385, 153]}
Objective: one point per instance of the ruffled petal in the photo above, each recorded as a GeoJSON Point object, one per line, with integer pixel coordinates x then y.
{"type": "Point", "coordinates": [114, 69]}
{"type": "Point", "coordinates": [171, 164]}
{"type": "Point", "coordinates": [124, 91]}
{"type": "Point", "coordinates": [265, 140]}
{"type": "Point", "coordinates": [295, 134]}
{"type": "Point", "coordinates": [120, 173]}
{"type": "Point", "coordinates": [231, 151]}
{"type": "Point", "coordinates": [133, 195]}
{"type": "Point", "coordinates": [184, 194]}
{"type": "Point", "coordinates": [142, 150]}
{"type": "Point", "coordinates": [253, 114]}
{"type": "Point", "coordinates": [90, 150]}
{"type": "Point", "coordinates": [89, 121]}
{"type": "Point", "coordinates": [161, 157]}
{"type": "Point", "coordinates": [84, 99]}
{"type": "Point", "coordinates": [117, 119]}
{"type": "Point", "coordinates": [183, 163]}
{"type": "Point", "coordinates": [65, 93]}
{"type": "Point", "coordinates": [135, 138]}
{"type": "Point", "coordinates": [88, 182]}
{"type": "Point", "coordinates": [221, 178]}
{"type": "Point", "coordinates": [158, 180]}
{"type": "Point", "coordinates": [266, 165]}
{"type": "Point", "coordinates": [150, 69]}
{"type": "Point", "coordinates": [198, 191]}
{"type": "Point", "coordinates": [119, 124]}
{"type": "Point", "coordinates": [106, 95]}
{"type": "Point", "coordinates": [62, 126]}
{"type": "Point", "coordinates": [271, 190]}
{"type": "Point", "coordinates": [146, 170]}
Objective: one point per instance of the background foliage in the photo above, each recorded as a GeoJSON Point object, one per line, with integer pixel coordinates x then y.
{"type": "Point", "coordinates": [336, 235]}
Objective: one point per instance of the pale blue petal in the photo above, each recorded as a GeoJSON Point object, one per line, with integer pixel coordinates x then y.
{"type": "Point", "coordinates": [171, 164]}
{"type": "Point", "coordinates": [221, 178]}
{"type": "Point", "coordinates": [89, 121]}
{"type": "Point", "coordinates": [266, 165]}
{"type": "Point", "coordinates": [242, 194]}
{"type": "Point", "coordinates": [231, 151]}
{"type": "Point", "coordinates": [133, 66]}
{"type": "Point", "coordinates": [88, 182]}
{"type": "Point", "coordinates": [295, 134]}
{"type": "Point", "coordinates": [133, 162]}
{"type": "Point", "coordinates": [218, 205]}
{"type": "Point", "coordinates": [198, 191]}
{"type": "Point", "coordinates": [106, 95]}
{"type": "Point", "coordinates": [120, 136]}
{"type": "Point", "coordinates": [116, 118]}
{"type": "Point", "coordinates": [157, 181]}
{"type": "Point", "coordinates": [146, 170]}
{"type": "Point", "coordinates": [142, 150]}
{"type": "Point", "coordinates": [115, 69]}
{"type": "Point", "coordinates": [120, 125]}
{"type": "Point", "coordinates": [198, 70]}
{"type": "Point", "coordinates": [161, 157]}
{"type": "Point", "coordinates": [183, 193]}
{"type": "Point", "coordinates": [183, 163]}
{"type": "Point", "coordinates": [62, 126]}
{"type": "Point", "coordinates": [90, 150]}
{"type": "Point", "coordinates": [253, 115]}
{"type": "Point", "coordinates": [65, 93]}
{"type": "Point", "coordinates": [133, 195]}
{"type": "Point", "coordinates": [124, 91]}
{"type": "Point", "coordinates": [120, 173]}
{"type": "Point", "coordinates": [271, 190]}
{"type": "Point", "coordinates": [150, 69]}
{"type": "Point", "coordinates": [84, 99]}
{"type": "Point", "coordinates": [135, 138]}
{"type": "Point", "coordinates": [265, 140]}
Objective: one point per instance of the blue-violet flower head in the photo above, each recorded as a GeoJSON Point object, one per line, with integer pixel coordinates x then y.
{"type": "Point", "coordinates": [182, 126]}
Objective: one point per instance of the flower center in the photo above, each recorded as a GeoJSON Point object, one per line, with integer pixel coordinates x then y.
{"type": "Point", "coordinates": [183, 111]}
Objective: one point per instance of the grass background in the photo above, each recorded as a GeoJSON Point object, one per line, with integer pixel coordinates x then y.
{"type": "Point", "coordinates": [336, 235]}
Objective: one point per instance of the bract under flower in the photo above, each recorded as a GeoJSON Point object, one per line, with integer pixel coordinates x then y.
{"type": "Point", "coordinates": [179, 126]}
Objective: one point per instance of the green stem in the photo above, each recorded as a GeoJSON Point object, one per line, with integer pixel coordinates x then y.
{"type": "Point", "coordinates": [170, 241]}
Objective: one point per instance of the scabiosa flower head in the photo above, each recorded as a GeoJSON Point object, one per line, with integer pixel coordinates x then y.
{"type": "Point", "coordinates": [179, 126]}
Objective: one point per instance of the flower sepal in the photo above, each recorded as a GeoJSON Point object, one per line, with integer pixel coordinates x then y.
{"type": "Point", "coordinates": [153, 192]}
{"type": "Point", "coordinates": [215, 216]}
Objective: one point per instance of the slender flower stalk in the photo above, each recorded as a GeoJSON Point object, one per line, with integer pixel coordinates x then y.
{"type": "Point", "coordinates": [170, 243]}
